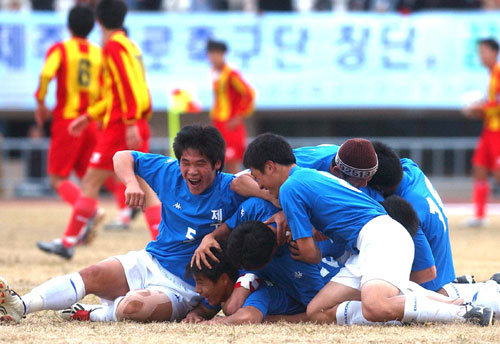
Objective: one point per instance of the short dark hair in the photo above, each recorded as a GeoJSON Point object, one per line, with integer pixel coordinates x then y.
{"type": "Point", "coordinates": [111, 13]}
{"type": "Point", "coordinates": [213, 45]}
{"type": "Point", "coordinates": [218, 268]}
{"type": "Point", "coordinates": [250, 245]}
{"type": "Point", "coordinates": [390, 171]}
{"type": "Point", "coordinates": [80, 21]}
{"type": "Point", "coordinates": [268, 147]}
{"type": "Point", "coordinates": [403, 212]}
{"type": "Point", "coordinates": [206, 140]}
{"type": "Point", "coordinates": [491, 43]}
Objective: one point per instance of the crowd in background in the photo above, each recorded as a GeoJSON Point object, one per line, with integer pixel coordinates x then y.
{"type": "Point", "coordinates": [259, 6]}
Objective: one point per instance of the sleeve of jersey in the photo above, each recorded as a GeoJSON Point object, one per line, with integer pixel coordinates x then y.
{"type": "Point", "coordinates": [260, 299]}
{"type": "Point", "coordinates": [155, 169]}
{"type": "Point", "coordinates": [246, 105]}
{"type": "Point", "coordinates": [297, 213]}
{"type": "Point", "coordinates": [236, 218]}
{"type": "Point", "coordinates": [423, 254]}
{"type": "Point", "coordinates": [50, 67]}
{"type": "Point", "coordinates": [494, 104]}
{"type": "Point", "coordinates": [121, 69]}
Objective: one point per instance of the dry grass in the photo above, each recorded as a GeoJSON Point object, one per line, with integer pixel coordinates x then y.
{"type": "Point", "coordinates": [24, 266]}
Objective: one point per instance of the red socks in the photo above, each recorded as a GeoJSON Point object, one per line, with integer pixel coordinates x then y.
{"type": "Point", "coordinates": [118, 190]}
{"type": "Point", "coordinates": [83, 209]}
{"type": "Point", "coordinates": [153, 218]}
{"type": "Point", "coordinates": [69, 191]}
{"type": "Point", "coordinates": [480, 197]}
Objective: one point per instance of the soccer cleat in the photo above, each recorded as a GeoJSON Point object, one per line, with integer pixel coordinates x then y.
{"type": "Point", "coordinates": [117, 225]}
{"type": "Point", "coordinates": [488, 296]}
{"type": "Point", "coordinates": [475, 222]}
{"type": "Point", "coordinates": [89, 231]}
{"type": "Point", "coordinates": [78, 311]}
{"type": "Point", "coordinates": [496, 277]}
{"type": "Point", "coordinates": [56, 247]}
{"type": "Point", "coordinates": [465, 279]}
{"type": "Point", "coordinates": [135, 212]}
{"type": "Point", "coordinates": [12, 307]}
{"type": "Point", "coordinates": [483, 316]}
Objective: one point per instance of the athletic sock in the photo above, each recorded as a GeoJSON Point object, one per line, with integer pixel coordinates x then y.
{"type": "Point", "coordinates": [83, 209]}
{"type": "Point", "coordinates": [69, 191]}
{"type": "Point", "coordinates": [153, 218]}
{"type": "Point", "coordinates": [467, 292]}
{"type": "Point", "coordinates": [480, 197]}
{"type": "Point", "coordinates": [55, 294]}
{"type": "Point", "coordinates": [104, 311]}
{"type": "Point", "coordinates": [351, 313]}
{"type": "Point", "coordinates": [119, 193]}
{"type": "Point", "coordinates": [421, 309]}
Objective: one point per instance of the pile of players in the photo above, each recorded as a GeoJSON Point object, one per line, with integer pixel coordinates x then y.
{"type": "Point", "coordinates": [346, 235]}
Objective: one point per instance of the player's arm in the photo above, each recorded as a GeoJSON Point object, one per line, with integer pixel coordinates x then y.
{"type": "Point", "coordinates": [244, 286]}
{"type": "Point", "coordinates": [423, 267]}
{"type": "Point", "coordinates": [210, 240]}
{"type": "Point", "coordinates": [123, 163]}
{"type": "Point", "coordinates": [200, 313]}
{"type": "Point", "coordinates": [50, 67]}
{"type": "Point", "coordinates": [306, 250]}
{"type": "Point", "coordinates": [245, 185]}
{"type": "Point", "coordinates": [246, 315]}
{"type": "Point", "coordinates": [295, 318]}
{"type": "Point", "coordinates": [423, 276]}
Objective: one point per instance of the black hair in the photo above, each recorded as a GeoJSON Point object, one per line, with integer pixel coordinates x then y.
{"type": "Point", "coordinates": [206, 140]}
{"type": "Point", "coordinates": [268, 147]}
{"type": "Point", "coordinates": [216, 46]}
{"type": "Point", "coordinates": [250, 245]}
{"type": "Point", "coordinates": [111, 13]}
{"type": "Point", "coordinates": [80, 20]}
{"type": "Point", "coordinates": [403, 212]}
{"type": "Point", "coordinates": [390, 171]}
{"type": "Point", "coordinates": [223, 266]}
{"type": "Point", "coordinates": [491, 43]}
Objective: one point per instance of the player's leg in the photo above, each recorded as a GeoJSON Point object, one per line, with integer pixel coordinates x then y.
{"type": "Point", "coordinates": [65, 188]}
{"type": "Point", "coordinates": [145, 305]}
{"type": "Point", "coordinates": [124, 217]}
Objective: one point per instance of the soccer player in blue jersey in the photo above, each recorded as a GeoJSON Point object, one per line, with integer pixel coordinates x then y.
{"type": "Point", "coordinates": [149, 284]}
{"type": "Point", "coordinates": [382, 250]}
{"type": "Point", "coordinates": [217, 284]}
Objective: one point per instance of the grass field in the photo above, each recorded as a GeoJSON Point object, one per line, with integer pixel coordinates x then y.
{"type": "Point", "coordinates": [24, 266]}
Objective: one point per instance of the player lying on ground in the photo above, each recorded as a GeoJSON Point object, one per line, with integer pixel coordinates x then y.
{"type": "Point", "coordinates": [149, 284]}
{"type": "Point", "coordinates": [217, 283]}
{"type": "Point", "coordinates": [378, 268]}
{"type": "Point", "coordinates": [355, 162]}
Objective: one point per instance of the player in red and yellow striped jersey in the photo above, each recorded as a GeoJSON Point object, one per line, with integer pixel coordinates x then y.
{"type": "Point", "coordinates": [233, 102]}
{"type": "Point", "coordinates": [487, 154]}
{"type": "Point", "coordinates": [76, 64]}
{"type": "Point", "coordinates": [124, 111]}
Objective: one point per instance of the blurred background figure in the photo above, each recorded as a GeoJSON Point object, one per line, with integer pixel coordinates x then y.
{"type": "Point", "coordinates": [233, 102]}
{"type": "Point", "coordinates": [486, 157]}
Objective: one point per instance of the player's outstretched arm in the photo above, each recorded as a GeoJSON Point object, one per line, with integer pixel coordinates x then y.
{"type": "Point", "coordinates": [246, 315]}
{"type": "Point", "coordinates": [123, 163]}
{"type": "Point", "coordinates": [199, 314]}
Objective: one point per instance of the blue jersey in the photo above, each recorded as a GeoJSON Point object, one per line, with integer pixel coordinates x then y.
{"type": "Point", "coordinates": [423, 258]}
{"type": "Point", "coordinates": [301, 280]}
{"type": "Point", "coordinates": [418, 190]}
{"type": "Point", "coordinates": [185, 218]}
{"type": "Point", "coordinates": [316, 157]}
{"type": "Point", "coordinates": [333, 206]}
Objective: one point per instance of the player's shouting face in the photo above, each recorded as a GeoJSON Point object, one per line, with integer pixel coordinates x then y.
{"type": "Point", "coordinates": [197, 170]}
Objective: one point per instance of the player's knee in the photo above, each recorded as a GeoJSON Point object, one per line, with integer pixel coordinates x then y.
{"type": "Point", "coordinates": [315, 313]}
{"type": "Point", "coordinates": [376, 310]}
{"type": "Point", "coordinates": [144, 305]}
{"type": "Point", "coordinates": [92, 276]}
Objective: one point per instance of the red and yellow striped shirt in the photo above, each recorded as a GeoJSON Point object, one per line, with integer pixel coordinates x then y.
{"type": "Point", "coordinates": [232, 96]}
{"type": "Point", "coordinates": [126, 94]}
{"type": "Point", "coordinates": [77, 65]}
{"type": "Point", "coordinates": [492, 104]}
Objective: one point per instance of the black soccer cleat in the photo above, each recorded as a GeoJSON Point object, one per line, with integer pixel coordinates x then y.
{"type": "Point", "coordinates": [483, 316]}
{"type": "Point", "coordinates": [465, 279]}
{"type": "Point", "coordinates": [496, 277]}
{"type": "Point", "coordinates": [56, 247]}
{"type": "Point", "coordinates": [135, 212]}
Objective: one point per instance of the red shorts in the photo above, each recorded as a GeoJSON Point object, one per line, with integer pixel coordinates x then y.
{"type": "Point", "coordinates": [487, 153]}
{"type": "Point", "coordinates": [112, 140]}
{"type": "Point", "coordinates": [235, 140]}
{"type": "Point", "coordinates": [69, 153]}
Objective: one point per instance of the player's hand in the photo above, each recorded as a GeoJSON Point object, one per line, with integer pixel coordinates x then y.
{"type": "Point", "coordinates": [134, 196]}
{"type": "Point", "coordinates": [78, 125]}
{"type": "Point", "coordinates": [42, 113]}
{"type": "Point", "coordinates": [193, 318]}
{"type": "Point", "coordinates": [283, 233]}
{"type": "Point", "coordinates": [133, 137]}
{"type": "Point", "coordinates": [203, 250]}
{"type": "Point", "coordinates": [318, 236]}
{"type": "Point", "coordinates": [294, 249]}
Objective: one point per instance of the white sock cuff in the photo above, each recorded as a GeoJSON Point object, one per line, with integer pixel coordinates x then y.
{"type": "Point", "coordinates": [342, 313]}
{"type": "Point", "coordinates": [451, 290]}
{"type": "Point", "coordinates": [410, 311]}
{"type": "Point", "coordinates": [77, 283]}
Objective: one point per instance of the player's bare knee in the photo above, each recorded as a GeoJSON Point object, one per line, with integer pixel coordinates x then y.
{"type": "Point", "coordinates": [376, 311]}
{"type": "Point", "coordinates": [144, 305]}
{"type": "Point", "coordinates": [92, 277]}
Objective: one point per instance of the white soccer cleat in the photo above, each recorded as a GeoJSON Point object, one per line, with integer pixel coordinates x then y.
{"type": "Point", "coordinates": [78, 311]}
{"type": "Point", "coordinates": [12, 307]}
{"type": "Point", "coordinates": [488, 296]}
{"type": "Point", "coordinates": [475, 222]}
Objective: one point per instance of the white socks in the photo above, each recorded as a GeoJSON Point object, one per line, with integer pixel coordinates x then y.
{"type": "Point", "coordinates": [421, 309]}
{"type": "Point", "coordinates": [105, 311]}
{"type": "Point", "coordinates": [57, 293]}
{"type": "Point", "coordinates": [463, 290]}
{"type": "Point", "coordinates": [350, 313]}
